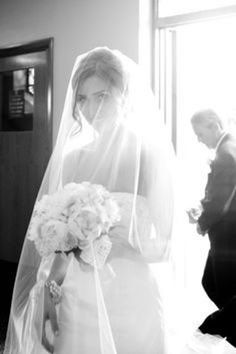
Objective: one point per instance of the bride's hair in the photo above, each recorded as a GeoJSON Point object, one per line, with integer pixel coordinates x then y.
{"type": "Point", "coordinates": [103, 63]}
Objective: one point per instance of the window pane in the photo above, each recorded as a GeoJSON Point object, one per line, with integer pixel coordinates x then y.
{"type": "Point", "coordinates": [177, 7]}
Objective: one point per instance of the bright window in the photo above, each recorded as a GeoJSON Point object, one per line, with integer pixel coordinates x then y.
{"type": "Point", "coordinates": [177, 7]}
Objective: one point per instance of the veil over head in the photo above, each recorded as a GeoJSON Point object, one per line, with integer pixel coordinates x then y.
{"type": "Point", "coordinates": [118, 140]}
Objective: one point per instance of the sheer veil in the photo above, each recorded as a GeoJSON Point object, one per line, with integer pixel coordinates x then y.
{"type": "Point", "coordinates": [130, 154]}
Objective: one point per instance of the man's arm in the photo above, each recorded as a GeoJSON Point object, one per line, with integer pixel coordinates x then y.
{"type": "Point", "coordinates": [221, 184]}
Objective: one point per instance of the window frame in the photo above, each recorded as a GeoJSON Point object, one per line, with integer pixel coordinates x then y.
{"type": "Point", "coordinates": [164, 67]}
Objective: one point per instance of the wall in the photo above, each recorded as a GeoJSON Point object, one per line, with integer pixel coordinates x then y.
{"type": "Point", "coordinates": [76, 25]}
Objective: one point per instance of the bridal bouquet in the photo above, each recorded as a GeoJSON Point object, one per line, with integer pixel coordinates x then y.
{"type": "Point", "coordinates": [78, 215]}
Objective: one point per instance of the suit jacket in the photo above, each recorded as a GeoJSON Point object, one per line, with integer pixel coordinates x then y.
{"type": "Point", "coordinates": [221, 226]}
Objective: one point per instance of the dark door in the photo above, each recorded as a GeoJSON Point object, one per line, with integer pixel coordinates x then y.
{"type": "Point", "coordinates": [25, 142]}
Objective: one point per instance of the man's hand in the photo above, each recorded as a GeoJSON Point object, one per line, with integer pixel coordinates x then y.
{"type": "Point", "coordinates": [199, 230]}
{"type": "Point", "coordinates": [193, 215]}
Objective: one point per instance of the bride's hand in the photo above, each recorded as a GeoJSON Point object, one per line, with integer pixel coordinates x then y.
{"type": "Point", "coordinates": [51, 315]}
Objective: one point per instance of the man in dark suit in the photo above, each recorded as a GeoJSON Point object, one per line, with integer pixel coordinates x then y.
{"type": "Point", "coordinates": [218, 220]}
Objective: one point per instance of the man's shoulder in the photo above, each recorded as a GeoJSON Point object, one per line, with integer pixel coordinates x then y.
{"type": "Point", "coordinates": [226, 153]}
{"type": "Point", "coordinates": [228, 145]}
{"type": "Point", "coordinates": [230, 138]}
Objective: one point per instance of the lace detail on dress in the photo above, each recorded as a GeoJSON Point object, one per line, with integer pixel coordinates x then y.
{"type": "Point", "coordinates": [141, 226]}
{"type": "Point", "coordinates": [100, 251]}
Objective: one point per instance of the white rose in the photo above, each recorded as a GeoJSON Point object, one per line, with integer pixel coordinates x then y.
{"type": "Point", "coordinates": [50, 234]}
{"type": "Point", "coordinates": [84, 225]}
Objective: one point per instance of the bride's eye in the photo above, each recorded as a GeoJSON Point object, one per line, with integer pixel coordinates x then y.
{"type": "Point", "coordinates": [80, 99]}
{"type": "Point", "coordinates": [103, 95]}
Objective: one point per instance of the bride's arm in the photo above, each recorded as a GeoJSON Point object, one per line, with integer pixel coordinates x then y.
{"type": "Point", "coordinates": [59, 268]}
{"type": "Point", "coordinates": [57, 275]}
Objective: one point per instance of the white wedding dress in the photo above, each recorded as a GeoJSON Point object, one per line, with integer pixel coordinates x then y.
{"type": "Point", "coordinates": [131, 297]}
{"type": "Point", "coordinates": [130, 294]}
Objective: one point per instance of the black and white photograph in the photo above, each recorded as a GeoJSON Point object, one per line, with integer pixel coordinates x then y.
{"type": "Point", "coordinates": [118, 177]}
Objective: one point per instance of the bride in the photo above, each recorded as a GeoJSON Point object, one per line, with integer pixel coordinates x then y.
{"type": "Point", "coordinates": [110, 135]}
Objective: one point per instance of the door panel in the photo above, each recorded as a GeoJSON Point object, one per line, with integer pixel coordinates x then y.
{"type": "Point", "coordinates": [23, 158]}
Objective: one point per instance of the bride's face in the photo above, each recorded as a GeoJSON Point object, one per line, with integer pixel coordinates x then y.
{"type": "Point", "coordinates": [99, 102]}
